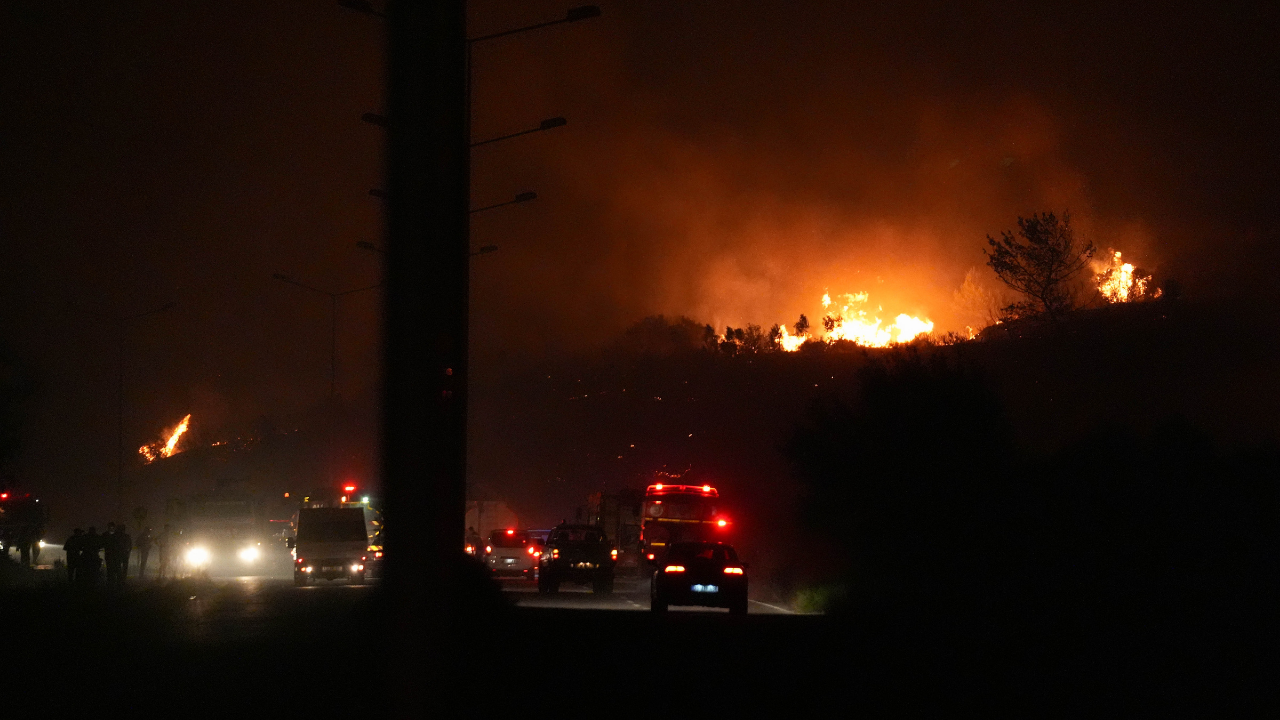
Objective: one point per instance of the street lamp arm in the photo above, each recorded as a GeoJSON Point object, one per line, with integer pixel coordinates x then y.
{"type": "Point", "coordinates": [285, 278]}
{"type": "Point", "coordinates": [548, 124]}
{"type": "Point", "coordinates": [584, 12]}
{"type": "Point", "coordinates": [522, 197]}
{"type": "Point", "coordinates": [349, 292]}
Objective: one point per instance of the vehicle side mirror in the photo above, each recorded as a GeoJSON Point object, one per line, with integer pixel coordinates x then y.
{"type": "Point", "coordinates": [290, 543]}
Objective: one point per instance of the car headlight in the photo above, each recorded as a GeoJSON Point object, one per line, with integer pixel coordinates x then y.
{"type": "Point", "coordinates": [197, 556]}
{"type": "Point", "coordinates": [249, 554]}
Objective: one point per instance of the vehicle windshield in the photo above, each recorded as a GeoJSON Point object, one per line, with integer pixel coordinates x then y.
{"type": "Point", "coordinates": [577, 535]}
{"type": "Point", "coordinates": [333, 527]}
{"type": "Point", "coordinates": [500, 539]}
{"type": "Point", "coordinates": [715, 552]}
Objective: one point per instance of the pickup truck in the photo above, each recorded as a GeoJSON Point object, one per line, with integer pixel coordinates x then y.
{"type": "Point", "coordinates": [577, 553]}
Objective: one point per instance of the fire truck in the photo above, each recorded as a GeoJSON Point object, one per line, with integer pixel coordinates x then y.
{"type": "Point", "coordinates": [680, 513]}
{"type": "Point", "coordinates": [22, 524]}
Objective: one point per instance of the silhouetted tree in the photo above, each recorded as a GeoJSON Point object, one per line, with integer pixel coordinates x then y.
{"type": "Point", "coordinates": [802, 326]}
{"type": "Point", "coordinates": [1040, 262]}
{"type": "Point", "coordinates": [775, 336]}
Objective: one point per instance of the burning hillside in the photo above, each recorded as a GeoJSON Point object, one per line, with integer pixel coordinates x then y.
{"type": "Point", "coordinates": [167, 446]}
{"type": "Point", "coordinates": [851, 320]}
{"type": "Point", "coordinates": [1119, 281]}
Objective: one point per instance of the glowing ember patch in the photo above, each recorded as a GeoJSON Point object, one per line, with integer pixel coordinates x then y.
{"type": "Point", "coordinates": [167, 447]}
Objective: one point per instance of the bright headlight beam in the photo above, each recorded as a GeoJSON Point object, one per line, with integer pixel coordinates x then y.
{"type": "Point", "coordinates": [197, 556]}
{"type": "Point", "coordinates": [249, 554]}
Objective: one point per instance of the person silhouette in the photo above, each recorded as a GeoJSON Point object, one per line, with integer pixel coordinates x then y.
{"type": "Point", "coordinates": [111, 546]}
{"type": "Point", "coordinates": [164, 543]}
{"type": "Point", "coordinates": [73, 548]}
{"type": "Point", "coordinates": [89, 569]}
{"type": "Point", "coordinates": [143, 544]}
{"type": "Point", "coordinates": [124, 548]}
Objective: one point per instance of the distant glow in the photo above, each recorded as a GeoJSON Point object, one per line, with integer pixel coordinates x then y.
{"type": "Point", "coordinates": [365, 499]}
{"type": "Point", "coordinates": [249, 554]}
{"type": "Point", "coordinates": [350, 488]}
{"type": "Point", "coordinates": [286, 494]}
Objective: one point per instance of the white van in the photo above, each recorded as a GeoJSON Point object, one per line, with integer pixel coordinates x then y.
{"type": "Point", "coordinates": [331, 543]}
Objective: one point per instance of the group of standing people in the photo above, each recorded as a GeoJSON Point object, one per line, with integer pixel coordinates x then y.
{"type": "Point", "coordinates": [88, 552]}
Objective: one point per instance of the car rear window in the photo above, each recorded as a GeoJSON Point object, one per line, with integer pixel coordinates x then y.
{"type": "Point", "coordinates": [703, 551]}
{"type": "Point", "coordinates": [500, 539]}
{"type": "Point", "coordinates": [331, 525]}
{"type": "Point", "coordinates": [583, 535]}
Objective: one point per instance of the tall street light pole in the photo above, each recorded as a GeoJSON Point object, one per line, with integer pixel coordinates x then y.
{"type": "Point", "coordinates": [426, 309]}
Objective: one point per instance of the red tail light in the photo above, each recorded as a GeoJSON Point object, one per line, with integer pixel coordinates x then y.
{"type": "Point", "coordinates": [488, 548]}
{"type": "Point", "coordinates": [733, 571]}
{"type": "Point", "coordinates": [673, 568]}
{"type": "Point", "coordinates": [613, 554]}
{"type": "Point", "coordinates": [300, 561]}
{"type": "Point", "coordinates": [650, 556]}
{"type": "Point", "coordinates": [532, 551]}
{"type": "Point", "coordinates": [722, 523]}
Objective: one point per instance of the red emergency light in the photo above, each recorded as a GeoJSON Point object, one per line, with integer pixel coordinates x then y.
{"type": "Point", "coordinates": [350, 488]}
{"type": "Point", "coordinates": [511, 532]}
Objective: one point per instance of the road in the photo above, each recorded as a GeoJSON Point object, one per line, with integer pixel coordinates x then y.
{"type": "Point", "coordinates": [629, 595]}
{"type": "Point", "coordinates": [208, 641]}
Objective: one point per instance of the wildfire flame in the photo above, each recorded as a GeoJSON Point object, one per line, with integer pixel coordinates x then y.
{"type": "Point", "coordinates": [1119, 282]}
{"type": "Point", "coordinates": [853, 323]}
{"type": "Point", "coordinates": [166, 447]}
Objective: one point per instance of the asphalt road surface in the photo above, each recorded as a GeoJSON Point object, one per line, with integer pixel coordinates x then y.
{"type": "Point", "coordinates": [204, 644]}
{"type": "Point", "coordinates": [629, 595]}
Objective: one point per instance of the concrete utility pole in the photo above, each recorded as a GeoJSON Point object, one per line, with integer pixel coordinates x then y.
{"type": "Point", "coordinates": [424, 395]}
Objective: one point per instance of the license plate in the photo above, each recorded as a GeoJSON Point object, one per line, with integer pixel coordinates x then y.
{"type": "Point", "coordinates": [331, 568]}
{"type": "Point", "coordinates": [509, 561]}
{"type": "Point", "coordinates": [706, 588]}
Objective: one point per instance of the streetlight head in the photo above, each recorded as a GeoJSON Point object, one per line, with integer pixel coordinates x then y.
{"type": "Point", "coordinates": [582, 12]}
{"type": "Point", "coordinates": [554, 122]}
{"type": "Point", "coordinates": [526, 197]}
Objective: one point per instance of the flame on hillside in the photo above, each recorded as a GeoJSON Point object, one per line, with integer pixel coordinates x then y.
{"type": "Point", "coordinates": [849, 319]}
{"type": "Point", "coordinates": [1120, 281]}
{"type": "Point", "coordinates": [167, 446]}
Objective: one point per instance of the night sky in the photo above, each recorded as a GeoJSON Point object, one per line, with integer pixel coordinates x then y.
{"type": "Point", "coordinates": [725, 161]}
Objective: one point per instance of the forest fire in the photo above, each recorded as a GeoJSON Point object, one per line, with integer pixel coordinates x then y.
{"type": "Point", "coordinates": [168, 446]}
{"type": "Point", "coordinates": [1120, 281]}
{"type": "Point", "coordinates": [848, 320]}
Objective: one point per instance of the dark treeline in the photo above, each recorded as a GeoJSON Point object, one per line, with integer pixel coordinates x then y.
{"type": "Point", "coordinates": [1121, 560]}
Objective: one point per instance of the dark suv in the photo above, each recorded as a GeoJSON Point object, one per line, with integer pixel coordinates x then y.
{"type": "Point", "coordinates": [700, 573]}
{"type": "Point", "coordinates": [576, 553]}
